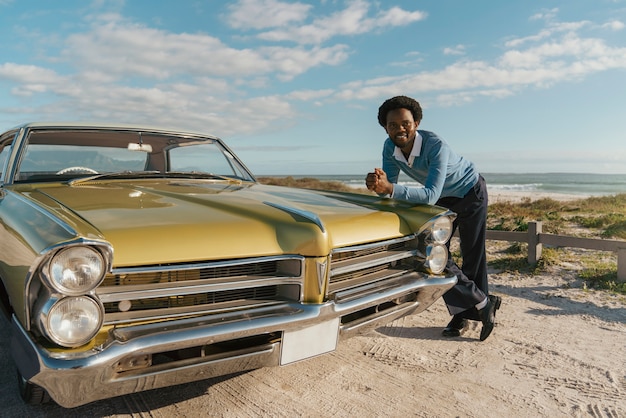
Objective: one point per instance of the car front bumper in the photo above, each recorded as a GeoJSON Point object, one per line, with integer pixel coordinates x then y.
{"type": "Point", "coordinates": [270, 336]}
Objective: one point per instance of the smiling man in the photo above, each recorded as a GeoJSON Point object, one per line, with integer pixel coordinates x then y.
{"type": "Point", "coordinates": [448, 180]}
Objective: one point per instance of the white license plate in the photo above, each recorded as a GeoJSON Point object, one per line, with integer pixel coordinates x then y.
{"type": "Point", "coordinates": [309, 342]}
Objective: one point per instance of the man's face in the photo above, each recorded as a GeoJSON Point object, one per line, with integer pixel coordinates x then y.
{"type": "Point", "coordinates": [401, 127]}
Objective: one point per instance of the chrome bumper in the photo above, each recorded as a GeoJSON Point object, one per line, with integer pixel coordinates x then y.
{"type": "Point", "coordinates": [295, 329]}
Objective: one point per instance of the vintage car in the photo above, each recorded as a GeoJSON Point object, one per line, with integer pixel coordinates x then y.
{"type": "Point", "coordinates": [134, 258]}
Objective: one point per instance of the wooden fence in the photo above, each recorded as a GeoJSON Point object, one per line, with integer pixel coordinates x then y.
{"type": "Point", "coordinates": [536, 239]}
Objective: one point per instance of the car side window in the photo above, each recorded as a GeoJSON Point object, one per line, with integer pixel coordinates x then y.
{"type": "Point", "coordinates": [5, 149]}
{"type": "Point", "coordinates": [205, 158]}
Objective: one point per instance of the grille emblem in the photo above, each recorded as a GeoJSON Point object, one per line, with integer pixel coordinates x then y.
{"type": "Point", "coordinates": [321, 274]}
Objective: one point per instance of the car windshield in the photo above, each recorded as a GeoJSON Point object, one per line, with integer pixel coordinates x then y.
{"type": "Point", "coordinates": [65, 155]}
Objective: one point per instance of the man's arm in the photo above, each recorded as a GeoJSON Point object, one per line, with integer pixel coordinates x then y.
{"type": "Point", "coordinates": [437, 160]}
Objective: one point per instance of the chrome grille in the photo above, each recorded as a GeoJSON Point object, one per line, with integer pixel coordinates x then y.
{"type": "Point", "coordinates": [177, 273]}
{"type": "Point", "coordinates": [364, 269]}
{"type": "Point", "coordinates": [177, 301]}
{"type": "Point", "coordinates": [157, 292]}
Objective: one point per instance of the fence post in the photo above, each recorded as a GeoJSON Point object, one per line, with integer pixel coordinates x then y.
{"type": "Point", "coordinates": [534, 246]}
{"type": "Point", "coordinates": [621, 264]}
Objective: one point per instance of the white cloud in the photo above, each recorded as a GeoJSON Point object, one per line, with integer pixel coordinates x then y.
{"type": "Point", "coordinates": [614, 25]}
{"type": "Point", "coordinates": [307, 95]}
{"type": "Point", "coordinates": [353, 20]}
{"type": "Point", "coordinates": [124, 49]}
{"type": "Point", "coordinates": [562, 56]}
{"type": "Point", "coordinates": [464, 97]}
{"type": "Point", "coordinates": [170, 105]}
{"type": "Point", "coordinates": [399, 17]}
{"type": "Point", "coordinates": [533, 38]}
{"type": "Point", "coordinates": [25, 74]}
{"type": "Point", "coordinates": [546, 14]}
{"type": "Point", "coordinates": [30, 79]}
{"type": "Point", "coordinates": [413, 60]}
{"type": "Point", "coordinates": [455, 50]}
{"type": "Point", "coordinates": [262, 14]}
{"type": "Point", "coordinates": [551, 30]}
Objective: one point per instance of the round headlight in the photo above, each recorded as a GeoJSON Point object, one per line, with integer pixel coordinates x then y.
{"type": "Point", "coordinates": [441, 230]}
{"type": "Point", "coordinates": [76, 270]}
{"type": "Point", "coordinates": [73, 321]}
{"type": "Point", "coordinates": [436, 258]}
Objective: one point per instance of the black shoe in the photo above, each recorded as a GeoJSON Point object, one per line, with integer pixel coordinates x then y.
{"type": "Point", "coordinates": [455, 327]}
{"type": "Point", "coordinates": [488, 316]}
{"type": "Point", "coordinates": [497, 301]}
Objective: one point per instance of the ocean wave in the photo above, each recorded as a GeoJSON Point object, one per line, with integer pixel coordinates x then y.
{"type": "Point", "coordinates": [570, 183]}
{"type": "Point", "coordinates": [516, 187]}
{"type": "Point", "coordinates": [501, 187]}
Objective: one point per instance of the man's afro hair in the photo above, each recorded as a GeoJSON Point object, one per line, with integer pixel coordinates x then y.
{"type": "Point", "coordinates": [399, 102]}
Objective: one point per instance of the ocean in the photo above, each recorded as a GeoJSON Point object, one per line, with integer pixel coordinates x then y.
{"type": "Point", "coordinates": [563, 183]}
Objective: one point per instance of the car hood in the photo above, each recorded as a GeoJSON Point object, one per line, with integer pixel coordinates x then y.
{"type": "Point", "coordinates": [151, 222]}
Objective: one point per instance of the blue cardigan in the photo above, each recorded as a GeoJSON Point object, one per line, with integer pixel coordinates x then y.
{"type": "Point", "coordinates": [442, 172]}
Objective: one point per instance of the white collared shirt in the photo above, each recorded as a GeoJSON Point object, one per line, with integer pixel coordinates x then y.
{"type": "Point", "coordinates": [415, 152]}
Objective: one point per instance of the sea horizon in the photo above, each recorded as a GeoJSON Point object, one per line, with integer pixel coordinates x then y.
{"type": "Point", "coordinates": [587, 184]}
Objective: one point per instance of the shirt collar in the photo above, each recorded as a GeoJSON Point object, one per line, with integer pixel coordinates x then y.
{"type": "Point", "coordinates": [415, 152]}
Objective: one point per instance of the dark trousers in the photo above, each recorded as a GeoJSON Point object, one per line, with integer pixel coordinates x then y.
{"type": "Point", "coordinates": [471, 221]}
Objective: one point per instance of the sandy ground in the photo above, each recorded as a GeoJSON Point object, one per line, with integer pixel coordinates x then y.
{"type": "Point", "coordinates": [558, 350]}
{"type": "Point", "coordinates": [496, 196]}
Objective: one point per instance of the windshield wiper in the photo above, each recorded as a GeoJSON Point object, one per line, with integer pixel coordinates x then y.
{"type": "Point", "coordinates": [117, 175]}
{"type": "Point", "coordinates": [195, 175]}
{"type": "Point", "coordinates": [150, 174]}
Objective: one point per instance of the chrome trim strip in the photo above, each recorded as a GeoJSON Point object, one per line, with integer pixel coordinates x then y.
{"type": "Point", "coordinates": [374, 244]}
{"type": "Point", "coordinates": [184, 311]}
{"type": "Point", "coordinates": [119, 293]}
{"type": "Point", "coordinates": [372, 260]}
{"type": "Point", "coordinates": [208, 264]}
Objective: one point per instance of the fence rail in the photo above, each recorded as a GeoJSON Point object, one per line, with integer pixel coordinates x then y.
{"type": "Point", "coordinates": [536, 239]}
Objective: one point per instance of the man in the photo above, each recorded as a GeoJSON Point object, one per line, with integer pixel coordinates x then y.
{"type": "Point", "coordinates": [450, 181]}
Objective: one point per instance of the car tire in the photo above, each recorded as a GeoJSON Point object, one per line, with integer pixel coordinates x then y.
{"type": "Point", "coordinates": [31, 393]}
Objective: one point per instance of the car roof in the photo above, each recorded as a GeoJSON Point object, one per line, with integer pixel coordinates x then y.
{"type": "Point", "coordinates": [108, 126]}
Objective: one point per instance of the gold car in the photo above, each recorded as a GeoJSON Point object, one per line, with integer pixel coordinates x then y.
{"type": "Point", "coordinates": [133, 258]}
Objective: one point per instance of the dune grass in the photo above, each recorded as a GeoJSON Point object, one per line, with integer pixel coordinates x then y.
{"type": "Point", "coordinates": [594, 217]}
{"type": "Point", "coordinates": [603, 216]}
{"type": "Point", "coordinates": [309, 183]}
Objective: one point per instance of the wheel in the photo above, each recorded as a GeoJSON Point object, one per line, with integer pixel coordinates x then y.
{"type": "Point", "coordinates": [77, 170]}
{"type": "Point", "coordinates": [31, 393]}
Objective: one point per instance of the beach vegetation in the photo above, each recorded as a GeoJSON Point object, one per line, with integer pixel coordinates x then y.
{"type": "Point", "coordinates": [509, 262]}
{"type": "Point", "coordinates": [310, 183]}
{"type": "Point", "coordinates": [602, 275]}
{"type": "Point", "coordinates": [551, 257]}
{"type": "Point", "coordinates": [598, 216]}
{"type": "Point", "coordinates": [594, 217]}
{"type": "Point", "coordinates": [617, 230]}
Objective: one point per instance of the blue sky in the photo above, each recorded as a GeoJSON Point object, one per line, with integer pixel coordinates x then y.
{"type": "Point", "coordinates": [293, 87]}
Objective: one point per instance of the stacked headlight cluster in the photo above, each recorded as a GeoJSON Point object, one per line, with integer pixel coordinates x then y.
{"type": "Point", "coordinates": [432, 243]}
{"type": "Point", "coordinates": [72, 314]}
